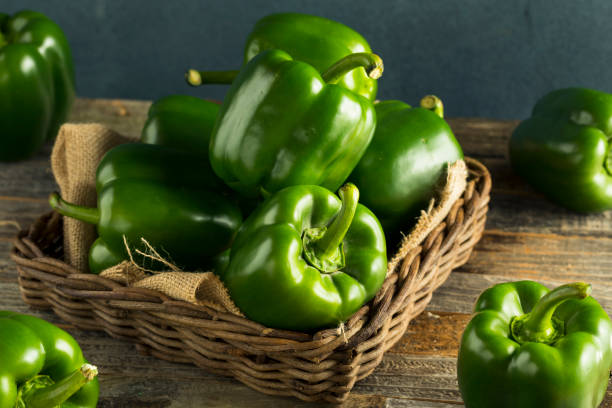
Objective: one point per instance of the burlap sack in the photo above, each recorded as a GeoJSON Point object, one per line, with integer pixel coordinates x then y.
{"type": "Point", "coordinates": [75, 157]}
{"type": "Point", "coordinates": [77, 151]}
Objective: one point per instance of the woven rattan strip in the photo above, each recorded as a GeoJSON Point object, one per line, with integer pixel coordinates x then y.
{"type": "Point", "coordinates": [313, 367]}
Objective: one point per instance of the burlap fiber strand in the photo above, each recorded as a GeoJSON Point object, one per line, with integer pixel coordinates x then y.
{"type": "Point", "coordinates": [75, 157]}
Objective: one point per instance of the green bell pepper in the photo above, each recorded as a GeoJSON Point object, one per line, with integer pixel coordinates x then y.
{"type": "Point", "coordinates": [181, 122]}
{"type": "Point", "coordinates": [398, 174]}
{"type": "Point", "coordinates": [186, 123]}
{"type": "Point", "coordinates": [565, 149]}
{"type": "Point", "coordinates": [42, 366]}
{"type": "Point", "coordinates": [284, 124]}
{"type": "Point", "coordinates": [531, 347]}
{"type": "Point", "coordinates": [315, 40]}
{"type": "Point", "coordinates": [36, 85]}
{"type": "Point", "coordinates": [169, 197]}
{"type": "Point", "coordinates": [306, 260]}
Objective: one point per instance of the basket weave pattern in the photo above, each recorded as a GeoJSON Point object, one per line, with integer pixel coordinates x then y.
{"type": "Point", "coordinates": [313, 367]}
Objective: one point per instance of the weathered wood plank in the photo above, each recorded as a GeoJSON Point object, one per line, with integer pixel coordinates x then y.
{"type": "Point", "coordinates": [31, 178]}
{"type": "Point", "coordinates": [136, 391]}
{"type": "Point", "coordinates": [124, 116]}
{"type": "Point", "coordinates": [405, 403]}
{"type": "Point", "coordinates": [543, 256]}
{"type": "Point", "coordinates": [414, 377]}
{"type": "Point", "coordinates": [509, 212]}
{"type": "Point", "coordinates": [433, 333]}
{"type": "Point", "coordinates": [22, 210]}
{"type": "Point", "coordinates": [481, 137]}
{"type": "Point", "coordinates": [8, 273]}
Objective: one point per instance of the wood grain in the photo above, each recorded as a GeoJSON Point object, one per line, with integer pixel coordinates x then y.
{"type": "Point", "coordinates": [527, 237]}
{"type": "Point", "coordinates": [433, 333]}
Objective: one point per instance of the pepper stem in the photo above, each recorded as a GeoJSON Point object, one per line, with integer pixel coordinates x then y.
{"type": "Point", "coordinates": [86, 214]}
{"type": "Point", "coordinates": [539, 325]}
{"type": "Point", "coordinates": [333, 237]}
{"type": "Point", "coordinates": [197, 78]}
{"type": "Point", "coordinates": [434, 104]}
{"type": "Point", "coordinates": [55, 394]}
{"type": "Point", "coordinates": [372, 64]}
{"type": "Point", "coordinates": [322, 246]}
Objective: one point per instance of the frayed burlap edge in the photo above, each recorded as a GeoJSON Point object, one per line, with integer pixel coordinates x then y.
{"type": "Point", "coordinates": [202, 288]}
{"type": "Point", "coordinates": [456, 180]}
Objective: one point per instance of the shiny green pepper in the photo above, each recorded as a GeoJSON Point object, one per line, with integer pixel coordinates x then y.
{"type": "Point", "coordinates": [168, 197]}
{"type": "Point", "coordinates": [317, 41]}
{"type": "Point", "coordinates": [186, 123]}
{"type": "Point", "coordinates": [399, 172]}
{"type": "Point", "coordinates": [36, 83]}
{"type": "Point", "coordinates": [306, 260]}
{"type": "Point", "coordinates": [284, 124]}
{"type": "Point", "coordinates": [42, 366]}
{"type": "Point", "coordinates": [565, 149]}
{"type": "Point", "coordinates": [530, 347]}
{"type": "Point", "coordinates": [181, 122]}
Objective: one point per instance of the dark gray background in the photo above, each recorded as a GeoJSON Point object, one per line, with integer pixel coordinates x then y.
{"type": "Point", "coordinates": [488, 58]}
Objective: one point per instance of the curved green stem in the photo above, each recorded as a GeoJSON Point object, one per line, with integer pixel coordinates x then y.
{"type": "Point", "coordinates": [334, 235]}
{"type": "Point", "coordinates": [434, 104]}
{"type": "Point", "coordinates": [55, 394]}
{"type": "Point", "coordinates": [86, 214]}
{"type": "Point", "coordinates": [372, 64]}
{"type": "Point", "coordinates": [197, 78]}
{"type": "Point", "coordinates": [322, 246]}
{"type": "Point", "coordinates": [539, 325]}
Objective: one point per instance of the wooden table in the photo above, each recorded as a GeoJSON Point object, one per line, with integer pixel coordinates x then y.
{"type": "Point", "coordinates": [526, 238]}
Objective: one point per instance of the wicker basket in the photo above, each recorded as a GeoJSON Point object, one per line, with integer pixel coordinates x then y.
{"type": "Point", "coordinates": [323, 366]}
